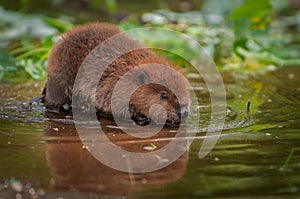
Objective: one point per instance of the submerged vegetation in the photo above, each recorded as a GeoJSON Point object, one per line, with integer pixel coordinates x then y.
{"type": "Point", "coordinates": [249, 36]}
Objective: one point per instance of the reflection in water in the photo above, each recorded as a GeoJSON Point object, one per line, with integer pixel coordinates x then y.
{"type": "Point", "coordinates": [74, 168]}
{"type": "Point", "coordinates": [44, 155]}
{"type": "Point", "coordinates": [283, 103]}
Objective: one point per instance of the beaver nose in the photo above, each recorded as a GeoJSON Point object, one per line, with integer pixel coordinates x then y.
{"type": "Point", "coordinates": [183, 113]}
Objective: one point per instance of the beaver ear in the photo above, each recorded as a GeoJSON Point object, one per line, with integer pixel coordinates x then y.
{"type": "Point", "coordinates": [141, 78]}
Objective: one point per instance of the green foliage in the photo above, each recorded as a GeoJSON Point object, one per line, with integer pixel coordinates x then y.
{"type": "Point", "coordinates": [16, 26]}
{"type": "Point", "coordinates": [7, 63]}
{"type": "Point", "coordinates": [166, 43]}
{"type": "Point", "coordinates": [111, 5]}
{"type": "Point", "coordinates": [129, 24]}
{"type": "Point", "coordinates": [33, 59]}
{"type": "Point", "coordinates": [60, 24]}
{"type": "Point", "coordinates": [26, 41]}
{"type": "Point", "coordinates": [247, 43]}
{"type": "Point", "coordinates": [242, 18]}
{"type": "Point", "coordinates": [256, 42]}
{"type": "Point", "coordinates": [216, 41]}
{"type": "Point", "coordinates": [24, 4]}
{"type": "Point", "coordinates": [250, 9]}
{"type": "Point", "coordinates": [248, 18]}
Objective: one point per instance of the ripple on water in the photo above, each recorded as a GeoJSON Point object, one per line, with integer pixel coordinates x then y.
{"type": "Point", "coordinates": [257, 154]}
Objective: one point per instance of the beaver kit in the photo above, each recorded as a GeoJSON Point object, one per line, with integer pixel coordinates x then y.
{"type": "Point", "coordinates": [68, 54]}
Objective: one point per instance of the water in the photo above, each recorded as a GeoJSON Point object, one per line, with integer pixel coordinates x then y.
{"type": "Point", "coordinates": [257, 156]}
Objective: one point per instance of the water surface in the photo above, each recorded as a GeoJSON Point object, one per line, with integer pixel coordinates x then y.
{"type": "Point", "coordinates": [257, 155]}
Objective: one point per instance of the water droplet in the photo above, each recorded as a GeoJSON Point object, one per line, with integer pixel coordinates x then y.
{"type": "Point", "coordinates": [291, 76]}
{"type": "Point", "coordinates": [144, 181]}
{"type": "Point", "coordinates": [18, 196]}
{"type": "Point", "coordinates": [16, 185]}
{"type": "Point", "coordinates": [271, 67]}
{"type": "Point", "coordinates": [40, 192]}
{"type": "Point", "coordinates": [52, 182]}
{"type": "Point", "coordinates": [27, 185]}
{"type": "Point", "coordinates": [31, 191]}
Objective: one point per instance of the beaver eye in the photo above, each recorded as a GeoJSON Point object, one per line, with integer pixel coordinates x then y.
{"type": "Point", "coordinates": [164, 96]}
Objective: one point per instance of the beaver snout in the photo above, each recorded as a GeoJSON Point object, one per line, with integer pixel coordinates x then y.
{"type": "Point", "coordinates": [178, 115]}
{"type": "Point", "coordinates": [183, 113]}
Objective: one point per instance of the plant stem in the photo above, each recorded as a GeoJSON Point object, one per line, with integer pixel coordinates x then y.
{"type": "Point", "coordinates": [32, 52]}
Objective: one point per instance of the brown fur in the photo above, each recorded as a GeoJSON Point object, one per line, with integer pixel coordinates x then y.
{"type": "Point", "coordinates": [71, 164]}
{"type": "Point", "coordinates": [69, 53]}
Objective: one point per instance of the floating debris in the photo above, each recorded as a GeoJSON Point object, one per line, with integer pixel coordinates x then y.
{"type": "Point", "coordinates": [19, 196]}
{"type": "Point", "coordinates": [151, 147]}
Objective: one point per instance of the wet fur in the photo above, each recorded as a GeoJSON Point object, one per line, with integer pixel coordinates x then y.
{"type": "Point", "coordinates": [70, 51]}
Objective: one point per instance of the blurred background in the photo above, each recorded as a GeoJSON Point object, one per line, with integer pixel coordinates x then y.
{"type": "Point", "coordinates": [239, 35]}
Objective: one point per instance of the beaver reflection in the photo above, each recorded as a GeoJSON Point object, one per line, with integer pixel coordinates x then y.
{"type": "Point", "coordinates": [72, 166]}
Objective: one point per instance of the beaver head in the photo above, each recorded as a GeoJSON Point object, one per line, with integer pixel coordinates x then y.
{"type": "Point", "coordinates": [159, 102]}
{"type": "Point", "coordinates": [160, 95]}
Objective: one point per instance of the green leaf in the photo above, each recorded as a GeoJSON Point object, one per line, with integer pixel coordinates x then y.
{"type": "Point", "coordinates": [60, 24]}
{"type": "Point", "coordinates": [250, 17]}
{"type": "Point", "coordinates": [6, 60]}
{"type": "Point", "coordinates": [35, 68]}
{"type": "Point", "coordinates": [250, 9]}
{"type": "Point", "coordinates": [111, 6]}
{"type": "Point", "coordinates": [95, 4]}
{"type": "Point", "coordinates": [267, 57]}
{"type": "Point", "coordinates": [7, 63]}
